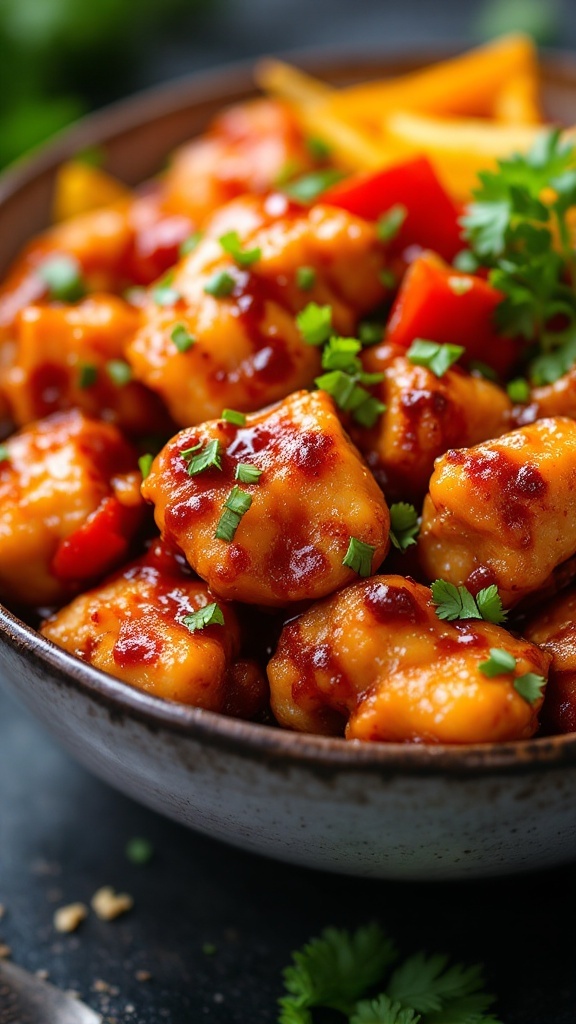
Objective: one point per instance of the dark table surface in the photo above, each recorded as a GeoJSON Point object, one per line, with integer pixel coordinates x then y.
{"type": "Point", "coordinates": [63, 833]}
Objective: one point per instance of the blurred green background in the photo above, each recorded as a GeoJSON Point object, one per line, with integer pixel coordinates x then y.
{"type": "Point", "coordinates": [61, 58]}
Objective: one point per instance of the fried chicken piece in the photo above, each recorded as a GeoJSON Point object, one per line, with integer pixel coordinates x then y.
{"type": "Point", "coordinates": [553, 628]}
{"type": "Point", "coordinates": [309, 494]}
{"type": "Point", "coordinates": [502, 512]}
{"type": "Point", "coordinates": [132, 627]}
{"type": "Point", "coordinates": [376, 660]}
{"type": "Point", "coordinates": [69, 506]}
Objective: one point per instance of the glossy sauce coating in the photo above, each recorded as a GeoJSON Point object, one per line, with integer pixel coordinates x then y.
{"type": "Point", "coordinates": [313, 495]}
{"type": "Point", "coordinates": [425, 416]}
{"type": "Point", "coordinates": [376, 662]}
{"type": "Point", "coordinates": [131, 627]}
{"type": "Point", "coordinates": [57, 474]}
{"type": "Point", "coordinates": [553, 628]}
{"type": "Point", "coordinates": [502, 511]}
{"type": "Point", "coordinates": [248, 350]}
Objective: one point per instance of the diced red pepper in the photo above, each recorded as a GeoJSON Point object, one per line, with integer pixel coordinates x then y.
{"type": "Point", "coordinates": [431, 214]}
{"type": "Point", "coordinates": [439, 304]}
{"type": "Point", "coordinates": [100, 544]}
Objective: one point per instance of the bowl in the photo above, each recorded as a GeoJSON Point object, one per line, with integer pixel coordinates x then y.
{"type": "Point", "coordinates": [379, 810]}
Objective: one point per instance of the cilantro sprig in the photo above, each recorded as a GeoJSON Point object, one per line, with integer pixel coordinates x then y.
{"type": "Point", "coordinates": [530, 686]}
{"type": "Point", "coordinates": [433, 355]}
{"type": "Point", "coordinates": [404, 525]}
{"type": "Point", "coordinates": [518, 226]}
{"type": "Point", "coordinates": [342, 970]}
{"type": "Point", "coordinates": [458, 603]}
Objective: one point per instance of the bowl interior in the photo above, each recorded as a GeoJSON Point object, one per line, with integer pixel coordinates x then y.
{"type": "Point", "coordinates": [136, 136]}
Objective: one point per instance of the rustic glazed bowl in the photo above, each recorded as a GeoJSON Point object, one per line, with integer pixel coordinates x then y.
{"type": "Point", "coordinates": [380, 810]}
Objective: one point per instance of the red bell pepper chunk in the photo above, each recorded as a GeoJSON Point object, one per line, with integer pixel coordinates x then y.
{"type": "Point", "coordinates": [100, 544]}
{"type": "Point", "coordinates": [431, 214]}
{"type": "Point", "coordinates": [439, 304]}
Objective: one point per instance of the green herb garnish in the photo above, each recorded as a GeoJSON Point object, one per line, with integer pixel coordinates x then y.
{"type": "Point", "coordinates": [389, 224]}
{"type": "Point", "coordinates": [236, 505]}
{"type": "Point", "coordinates": [434, 356]}
{"type": "Point", "coordinates": [247, 474]}
{"type": "Point", "coordinates": [315, 323]}
{"type": "Point", "coordinates": [4, 453]}
{"type": "Point", "coordinates": [499, 663]}
{"type": "Point", "coordinates": [359, 556]}
{"type": "Point", "coordinates": [87, 375]}
{"type": "Point", "coordinates": [232, 244]}
{"type": "Point", "coordinates": [347, 391]}
{"type": "Point", "coordinates": [119, 371]}
{"type": "Point", "coordinates": [163, 293]}
{"type": "Point", "coordinates": [370, 332]}
{"type": "Point", "coordinates": [62, 276]}
{"type": "Point", "coordinates": [530, 686]}
{"type": "Point", "coordinates": [210, 615]}
{"type": "Point", "coordinates": [305, 278]}
{"type": "Point", "coordinates": [518, 390]}
{"type": "Point", "coordinates": [458, 603]}
{"type": "Point", "coordinates": [145, 464]}
{"type": "Point", "coordinates": [404, 525]}
{"type": "Point", "coordinates": [190, 244]}
{"type": "Point", "coordinates": [139, 851]}
{"type": "Point", "coordinates": [220, 284]}
{"type": "Point", "coordinates": [199, 459]}
{"type": "Point", "coordinates": [182, 338]}
{"type": "Point", "coordinates": [308, 187]}
{"type": "Point", "coordinates": [231, 416]}
{"type": "Point", "coordinates": [318, 148]}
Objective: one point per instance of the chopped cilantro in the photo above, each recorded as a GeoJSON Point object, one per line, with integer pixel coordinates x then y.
{"type": "Point", "coordinates": [4, 453]}
{"type": "Point", "coordinates": [210, 615]}
{"type": "Point", "coordinates": [62, 276]}
{"type": "Point", "coordinates": [403, 525]}
{"type": "Point", "coordinates": [145, 464]}
{"type": "Point", "coordinates": [305, 278]}
{"type": "Point", "coordinates": [341, 354]}
{"type": "Point", "coordinates": [119, 371]}
{"type": "Point", "coordinates": [483, 370]}
{"type": "Point", "coordinates": [199, 459]}
{"type": "Point", "coordinates": [231, 416]}
{"type": "Point", "coordinates": [236, 505]}
{"type": "Point", "coordinates": [308, 187]}
{"type": "Point", "coordinates": [518, 390]}
{"type": "Point", "coordinates": [247, 474]}
{"type": "Point", "coordinates": [163, 292]}
{"type": "Point", "coordinates": [318, 148]}
{"type": "Point", "coordinates": [499, 663]}
{"type": "Point", "coordinates": [347, 391]}
{"type": "Point", "coordinates": [458, 603]}
{"type": "Point", "coordinates": [87, 375]}
{"type": "Point", "coordinates": [530, 686]}
{"type": "Point", "coordinates": [315, 323]}
{"type": "Point", "coordinates": [190, 244]}
{"type": "Point", "coordinates": [370, 332]}
{"type": "Point", "coordinates": [232, 244]}
{"type": "Point", "coordinates": [434, 356]}
{"type": "Point", "coordinates": [389, 224]}
{"type": "Point", "coordinates": [359, 556]}
{"type": "Point", "coordinates": [182, 338]}
{"type": "Point", "coordinates": [220, 284]}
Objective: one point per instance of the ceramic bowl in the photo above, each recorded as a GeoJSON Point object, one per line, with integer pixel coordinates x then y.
{"type": "Point", "coordinates": [381, 810]}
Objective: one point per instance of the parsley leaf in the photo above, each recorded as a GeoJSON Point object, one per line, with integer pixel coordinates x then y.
{"type": "Point", "coordinates": [499, 663]}
{"type": "Point", "coordinates": [359, 556]}
{"type": "Point", "coordinates": [247, 474]}
{"type": "Point", "coordinates": [210, 615]}
{"type": "Point", "coordinates": [426, 982]}
{"type": "Point", "coordinates": [383, 1011]}
{"type": "Point", "coordinates": [232, 416]}
{"type": "Point", "coordinates": [530, 686]}
{"type": "Point", "coordinates": [458, 603]}
{"type": "Point", "coordinates": [336, 969]}
{"type": "Point", "coordinates": [404, 525]}
{"type": "Point", "coordinates": [236, 505]}
{"type": "Point", "coordinates": [434, 356]}
{"type": "Point", "coordinates": [518, 225]}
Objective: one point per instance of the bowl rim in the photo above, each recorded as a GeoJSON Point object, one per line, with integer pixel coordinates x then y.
{"type": "Point", "coordinates": [325, 755]}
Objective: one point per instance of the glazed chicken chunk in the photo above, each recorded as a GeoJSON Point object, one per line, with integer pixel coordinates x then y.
{"type": "Point", "coordinates": [376, 662]}
{"type": "Point", "coordinates": [553, 628]}
{"type": "Point", "coordinates": [73, 356]}
{"type": "Point", "coordinates": [265, 511]}
{"type": "Point", "coordinates": [502, 512]}
{"type": "Point", "coordinates": [69, 505]}
{"type": "Point", "coordinates": [224, 332]}
{"type": "Point", "coordinates": [425, 415]}
{"type": "Point", "coordinates": [145, 626]}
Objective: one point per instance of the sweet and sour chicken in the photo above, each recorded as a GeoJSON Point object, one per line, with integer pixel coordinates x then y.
{"type": "Point", "coordinates": [275, 448]}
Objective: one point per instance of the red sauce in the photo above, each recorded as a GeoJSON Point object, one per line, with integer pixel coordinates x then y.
{"type": "Point", "coordinates": [315, 453]}
{"type": "Point", "coordinates": [387, 604]}
{"type": "Point", "coordinates": [49, 384]}
{"type": "Point", "coordinates": [136, 644]}
{"type": "Point", "coordinates": [293, 562]}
